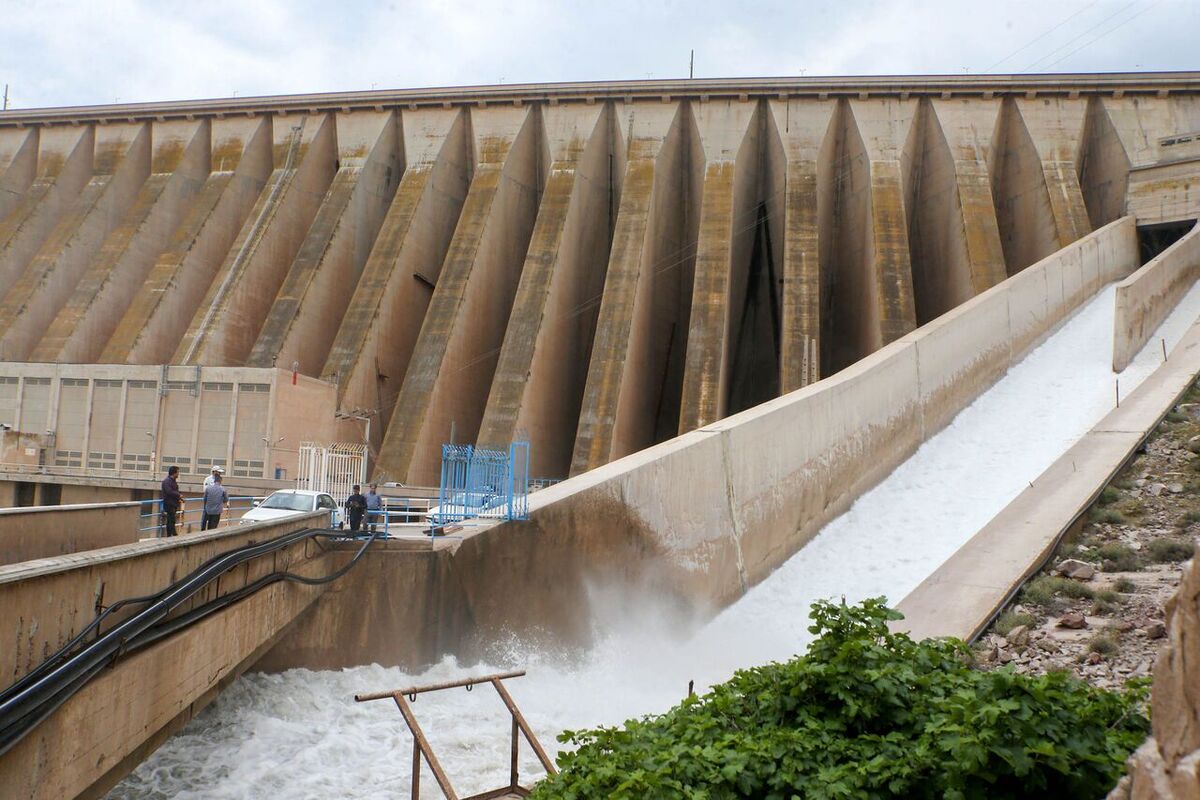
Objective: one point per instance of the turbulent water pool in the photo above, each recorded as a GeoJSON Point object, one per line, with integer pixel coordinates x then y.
{"type": "Point", "coordinates": [300, 735]}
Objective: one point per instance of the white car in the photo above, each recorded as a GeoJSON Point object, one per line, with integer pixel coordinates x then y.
{"type": "Point", "coordinates": [290, 502]}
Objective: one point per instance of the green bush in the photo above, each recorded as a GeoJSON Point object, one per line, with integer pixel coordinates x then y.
{"type": "Point", "coordinates": [1103, 644]}
{"type": "Point", "coordinates": [865, 713]}
{"type": "Point", "coordinates": [1125, 585]}
{"type": "Point", "coordinates": [1108, 496]}
{"type": "Point", "coordinates": [1165, 549]}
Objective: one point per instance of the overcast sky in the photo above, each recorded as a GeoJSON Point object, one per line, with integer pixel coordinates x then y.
{"type": "Point", "coordinates": [67, 52]}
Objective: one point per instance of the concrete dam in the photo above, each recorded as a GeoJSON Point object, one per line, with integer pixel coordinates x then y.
{"type": "Point", "coordinates": [601, 266]}
{"type": "Point", "coordinates": [719, 310]}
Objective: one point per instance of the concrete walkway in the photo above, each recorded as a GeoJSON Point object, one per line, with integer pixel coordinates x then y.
{"type": "Point", "coordinates": [962, 596]}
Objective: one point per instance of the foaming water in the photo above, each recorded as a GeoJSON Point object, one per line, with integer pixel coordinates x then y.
{"type": "Point", "coordinates": [300, 735]}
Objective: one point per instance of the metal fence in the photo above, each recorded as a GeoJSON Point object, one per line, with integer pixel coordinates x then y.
{"type": "Point", "coordinates": [482, 483]}
{"type": "Point", "coordinates": [333, 469]}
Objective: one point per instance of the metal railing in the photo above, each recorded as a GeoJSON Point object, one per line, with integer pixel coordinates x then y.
{"type": "Point", "coordinates": [421, 749]}
{"type": "Point", "coordinates": [152, 518]}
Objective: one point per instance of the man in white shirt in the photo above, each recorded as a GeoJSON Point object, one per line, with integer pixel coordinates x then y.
{"type": "Point", "coordinates": [212, 476]}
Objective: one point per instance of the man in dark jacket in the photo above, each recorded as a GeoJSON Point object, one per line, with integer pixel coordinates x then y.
{"type": "Point", "coordinates": [356, 505]}
{"type": "Point", "coordinates": [172, 500]}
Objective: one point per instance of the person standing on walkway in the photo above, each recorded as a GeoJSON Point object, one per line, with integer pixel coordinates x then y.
{"type": "Point", "coordinates": [216, 500]}
{"type": "Point", "coordinates": [217, 473]}
{"type": "Point", "coordinates": [374, 507]}
{"type": "Point", "coordinates": [172, 500]}
{"type": "Point", "coordinates": [356, 505]}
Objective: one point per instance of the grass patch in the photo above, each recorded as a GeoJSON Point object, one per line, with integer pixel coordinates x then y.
{"type": "Point", "coordinates": [1125, 585]}
{"type": "Point", "coordinates": [1047, 592]}
{"type": "Point", "coordinates": [1108, 496]}
{"type": "Point", "coordinates": [1190, 518]}
{"type": "Point", "coordinates": [1175, 417]}
{"type": "Point", "coordinates": [1132, 507]}
{"type": "Point", "coordinates": [1103, 644]}
{"type": "Point", "coordinates": [1107, 602]}
{"type": "Point", "coordinates": [1117, 557]}
{"type": "Point", "coordinates": [1011, 619]}
{"type": "Point", "coordinates": [1109, 515]}
{"type": "Point", "coordinates": [1165, 549]}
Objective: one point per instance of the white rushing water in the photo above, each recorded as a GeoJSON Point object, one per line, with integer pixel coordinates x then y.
{"type": "Point", "coordinates": [300, 735]}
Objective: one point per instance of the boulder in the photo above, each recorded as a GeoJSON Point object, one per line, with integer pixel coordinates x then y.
{"type": "Point", "coordinates": [1076, 569]}
{"type": "Point", "coordinates": [1018, 635]}
{"type": "Point", "coordinates": [1074, 620]}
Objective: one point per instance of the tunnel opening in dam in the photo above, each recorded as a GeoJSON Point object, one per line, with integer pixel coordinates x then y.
{"type": "Point", "coordinates": [1154, 239]}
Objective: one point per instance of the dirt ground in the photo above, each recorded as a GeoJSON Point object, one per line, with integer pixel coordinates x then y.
{"type": "Point", "coordinates": [1097, 607]}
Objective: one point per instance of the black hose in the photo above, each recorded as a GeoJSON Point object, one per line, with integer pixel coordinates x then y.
{"type": "Point", "coordinates": [167, 627]}
{"type": "Point", "coordinates": [76, 640]}
{"type": "Point", "coordinates": [34, 697]}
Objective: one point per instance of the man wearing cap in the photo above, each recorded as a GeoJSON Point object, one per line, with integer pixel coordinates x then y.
{"type": "Point", "coordinates": [212, 476]}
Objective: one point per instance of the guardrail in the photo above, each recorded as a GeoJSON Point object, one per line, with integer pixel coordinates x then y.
{"type": "Point", "coordinates": [397, 511]}
{"type": "Point", "coordinates": [151, 511]}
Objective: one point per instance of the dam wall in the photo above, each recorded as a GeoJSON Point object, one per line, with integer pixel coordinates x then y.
{"type": "Point", "coordinates": [701, 518]}
{"type": "Point", "coordinates": [599, 266]}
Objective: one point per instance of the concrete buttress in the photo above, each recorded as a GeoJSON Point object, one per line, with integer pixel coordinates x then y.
{"type": "Point", "coordinates": [226, 323]}
{"type": "Point", "coordinates": [370, 353]}
{"type": "Point", "coordinates": [160, 309]}
{"type": "Point", "coordinates": [800, 148]}
{"type": "Point", "coordinates": [450, 372]}
{"type": "Point", "coordinates": [953, 232]}
{"type": "Point", "coordinates": [18, 166]}
{"type": "Point", "coordinates": [315, 295]}
{"type": "Point", "coordinates": [179, 166]}
{"type": "Point", "coordinates": [627, 371]}
{"type": "Point", "coordinates": [121, 166]}
{"type": "Point", "coordinates": [872, 294]}
{"type": "Point", "coordinates": [64, 165]}
{"type": "Point", "coordinates": [728, 134]}
{"type": "Point", "coordinates": [1055, 126]}
{"type": "Point", "coordinates": [540, 374]}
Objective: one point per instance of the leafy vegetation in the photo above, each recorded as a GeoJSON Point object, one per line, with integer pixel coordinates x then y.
{"type": "Point", "coordinates": [865, 713]}
{"type": "Point", "coordinates": [1125, 585]}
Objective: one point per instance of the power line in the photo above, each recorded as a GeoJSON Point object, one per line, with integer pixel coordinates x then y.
{"type": "Point", "coordinates": [1049, 31]}
{"type": "Point", "coordinates": [1106, 33]}
{"type": "Point", "coordinates": [1069, 42]}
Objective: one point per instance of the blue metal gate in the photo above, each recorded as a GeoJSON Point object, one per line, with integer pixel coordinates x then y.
{"type": "Point", "coordinates": [481, 483]}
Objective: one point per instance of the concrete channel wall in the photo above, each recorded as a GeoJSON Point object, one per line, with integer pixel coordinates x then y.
{"type": "Point", "coordinates": [48, 531]}
{"type": "Point", "coordinates": [97, 736]}
{"type": "Point", "coordinates": [984, 573]}
{"type": "Point", "coordinates": [1147, 297]}
{"type": "Point", "coordinates": [701, 518]}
